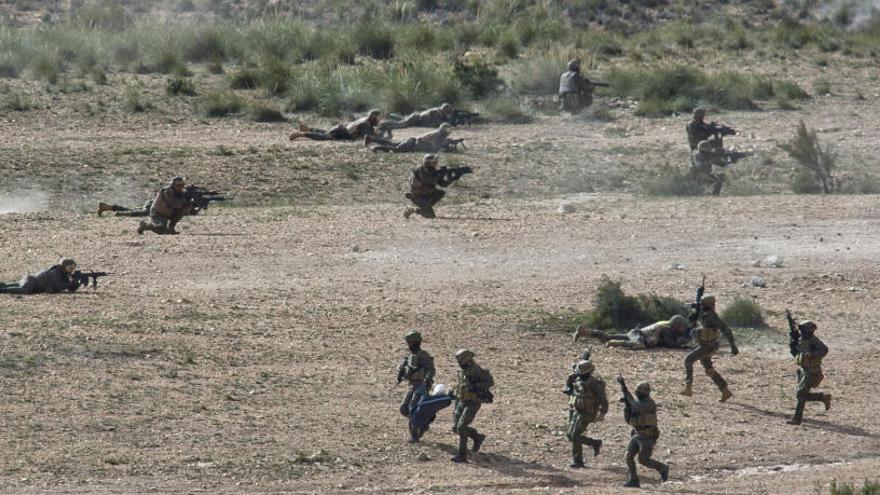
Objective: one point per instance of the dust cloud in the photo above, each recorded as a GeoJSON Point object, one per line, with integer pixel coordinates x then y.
{"type": "Point", "coordinates": [23, 202]}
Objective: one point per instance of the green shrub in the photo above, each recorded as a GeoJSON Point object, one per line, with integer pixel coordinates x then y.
{"type": "Point", "coordinates": [743, 312]}
{"type": "Point", "coordinates": [260, 113]}
{"type": "Point", "coordinates": [244, 79]}
{"type": "Point", "coordinates": [478, 79]}
{"type": "Point", "coordinates": [180, 86]}
{"type": "Point", "coordinates": [868, 488]}
{"type": "Point", "coordinates": [817, 163]}
{"type": "Point", "coordinates": [104, 14]}
{"type": "Point", "coordinates": [539, 74]}
{"type": "Point", "coordinates": [15, 102]}
{"type": "Point", "coordinates": [508, 47]}
{"type": "Point", "coordinates": [208, 45]}
{"type": "Point", "coordinates": [374, 40]}
{"type": "Point", "coordinates": [789, 90]}
{"type": "Point", "coordinates": [47, 66]}
{"type": "Point", "coordinates": [506, 109]}
{"type": "Point", "coordinates": [134, 101]}
{"type": "Point", "coordinates": [220, 104]}
{"type": "Point", "coordinates": [822, 87]}
{"type": "Point", "coordinates": [672, 181]}
{"type": "Point", "coordinates": [613, 309]}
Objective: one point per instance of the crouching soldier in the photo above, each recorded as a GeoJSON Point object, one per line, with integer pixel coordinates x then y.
{"type": "Point", "coordinates": [640, 412]}
{"type": "Point", "coordinates": [588, 404]}
{"type": "Point", "coordinates": [170, 205]}
{"type": "Point", "coordinates": [471, 392]}
{"type": "Point", "coordinates": [56, 278]}
{"type": "Point", "coordinates": [418, 370]}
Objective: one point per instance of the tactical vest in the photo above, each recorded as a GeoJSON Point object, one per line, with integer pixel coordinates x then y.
{"type": "Point", "coordinates": [569, 82]}
{"type": "Point", "coordinates": [160, 204]}
{"type": "Point", "coordinates": [808, 362]}
{"type": "Point", "coordinates": [415, 371]}
{"type": "Point", "coordinates": [644, 420]}
{"type": "Point", "coordinates": [462, 389]}
{"type": "Point", "coordinates": [584, 399]}
{"type": "Point", "coordinates": [708, 332]}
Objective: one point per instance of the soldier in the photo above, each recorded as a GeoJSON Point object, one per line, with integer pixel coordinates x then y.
{"type": "Point", "coordinates": [169, 206]}
{"type": "Point", "coordinates": [588, 404]}
{"type": "Point", "coordinates": [575, 91]}
{"type": "Point", "coordinates": [671, 334]}
{"type": "Point", "coordinates": [431, 117]}
{"type": "Point", "coordinates": [418, 369]}
{"type": "Point", "coordinates": [698, 130]}
{"type": "Point", "coordinates": [360, 128]}
{"type": "Point", "coordinates": [702, 159]}
{"type": "Point", "coordinates": [56, 278]}
{"type": "Point", "coordinates": [641, 413]}
{"type": "Point", "coordinates": [708, 333]}
{"type": "Point", "coordinates": [122, 211]}
{"type": "Point", "coordinates": [809, 352]}
{"type": "Point", "coordinates": [471, 392]}
{"type": "Point", "coordinates": [430, 142]}
{"type": "Point", "coordinates": [425, 183]}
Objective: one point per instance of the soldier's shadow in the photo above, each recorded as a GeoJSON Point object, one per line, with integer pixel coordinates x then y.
{"type": "Point", "coordinates": [542, 474]}
{"type": "Point", "coordinates": [811, 423]}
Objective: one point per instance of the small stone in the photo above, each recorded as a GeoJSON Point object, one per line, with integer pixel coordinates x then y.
{"type": "Point", "coordinates": [565, 208]}
{"type": "Point", "coordinates": [758, 281]}
{"type": "Point", "coordinates": [355, 248]}
{"type": "Point", "coordinates": [773, 261]}
{"type": "Point", "coordinates": [677, 266]}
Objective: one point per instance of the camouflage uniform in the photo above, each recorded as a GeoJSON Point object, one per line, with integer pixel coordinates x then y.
{"type": "Point", "coordinates": [698, 130]}
{"type": "Point", "coordinates": [169, 206]}
{"type": "Point", "coordinates": [49, 281]}
{"type": "Point", "coordinates": [702, 160]}
{"type": "Point", "coordinates": [360, 128]}
{"type": "Point", "coordinates": [809, 354]}
{"type": "Point", "coordinates": [575, 92]}
{"type": "Point", "coordinates": [431, 117]}
{"type": "Point", "coordinates": [430, 142]}
{"type": "Point", "coordinates": [670, 334]}
{"type": "Point", "coordinates": [418, 370]}
{"type": "Point", "coordinates": [122, 211]}
{"type": "Point", "coordinates": [588, 404]}
{"type": "Point", "coordinates": [471, 391]}
{"type": "Point", "coordinates": [643, 418]}
{"type": "Point", "coordinates": [707, 334]}
{"type": "Point", "coordinates": [424, 183]}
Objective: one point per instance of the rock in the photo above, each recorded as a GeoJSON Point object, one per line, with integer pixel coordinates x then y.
{"type": "Point", "coordinates": [758, 281]}
{"type": "Point", "coordinates": [565, 208]}
{"type": "Point", "coordinates": [677, 266]}
{"type": "Point", "coordinates": [773, 261]}
{"type": "Point", "coordinates": [355, 248]}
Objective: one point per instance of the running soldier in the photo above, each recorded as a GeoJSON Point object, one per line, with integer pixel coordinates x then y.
{"type": "Point", "coordinates": [641, 413]}
{"type": "Point", "coordinates": [710, 327]}
{"type": "Point", "coordinates": [471, 392]}
{"type": "Point", "coordinates": [809, 351]}
{"type": "Point", "coordinates": [588, 404]}
{"type": "Point", "coordinates": [418, 370]}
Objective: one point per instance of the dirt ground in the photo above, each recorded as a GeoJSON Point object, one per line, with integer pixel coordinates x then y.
{"type": "Point", "coordinates": [255, 352]}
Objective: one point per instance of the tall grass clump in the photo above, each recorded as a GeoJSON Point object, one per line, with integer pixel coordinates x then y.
{"type": "Point", "coordinates": [743, 312]}
{"type": "Point", "coordinates": [374, 40]}
{"type": "Point", "coordinates": [868, 488]}
{"type": "Point", "coordinates": [506, 109]}
{"type": "Point", "coordinates": [614, 309]}
{"type": "Point", "coordinates": [332, 91]}
{"type": "Point", "coordinates": [816, 162]}
{"type": "Point", "coordinates": [220, 104]}
{"type": "Point", "coordinates": [669, 180]}
{"type": "Point", "coordinates": [539, 74]}
{"type": "Point", "coordinates": [416, 83]}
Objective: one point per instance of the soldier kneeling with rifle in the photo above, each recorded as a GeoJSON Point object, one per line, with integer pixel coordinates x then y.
{"type": "Point", "coordinates": [57, 278]}
{"type": "Point", "coordinates": [425, 183]}
{"type": "Point", "coordinates": [575, 91]}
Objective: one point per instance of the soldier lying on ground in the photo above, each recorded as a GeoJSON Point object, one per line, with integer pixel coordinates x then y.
{"type": "Point", "coordinates": [122, 211]}
{"type": "Point", "coordinates": [360, 128]}
{"type": "Point", "coordinates": [671, 334]}
{"type": "Point", "coordinates": [430, 142]}
{"type": "Point", "coordinates": [431, 117]}
{"type": "Point", "coordinates": [56, 278]}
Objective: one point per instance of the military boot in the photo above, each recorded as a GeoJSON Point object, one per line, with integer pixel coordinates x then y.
{"type": "Point", "coordinates": [478, 441]}
{"type": "Point", "coordinates": [798, 413]}
{"type": "Point", "coordinates": [102, 207]}
{"type": "Point", "coordinates": [688, 390]}
{"type": "Point", "coordinates": [462, 450]}
{"type": "Point", "coordinates": [597, 445]}
{"type": "Point", "coordinates": [725, 394]}
{"type": "Point", "coordinates": [664, 473]}
{"type": "Point", "coordinates": [577, 463]}
{"type": "Point", "coordinates": [408, 211]}
{"type": "Point", "coordinates": [142, 226]}
{"type": "Point", "coordinates": [632, 482]}
{"type": "Point", "coordinates": [368, 140]}
{"type": "Point", "coordinates": [827, 401]}
{"type": "Point", "coordinates": [296, 135]}
{"type": "Point", "coordinates": [580, 332]}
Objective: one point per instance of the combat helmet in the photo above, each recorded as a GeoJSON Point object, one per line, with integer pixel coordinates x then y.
{"type": "Point", "coordinates": [177, 181]}
{"type": "Point", "coordinates": [708, 301]}
{"type": "Point", "coordinates": [413, 336]}
{"type": "Point", "coordinates": [807, 326]}
{"type": "Point", "coordinates": [65, 262]}
{"type": "Point", "coordinates": [699, 112]}
{"type": "Point", "coordinates": [446, 108]}
{"type": "Point", "coordinates": [678, 322]}
{"type": "Point", "coordinates": [430, 158]}
{"type": "Point", "coordinates": [585, 366]}
{"type": "Point", "coordinates": [643, 388]}
{"type": "Point", "coordinates": [446, 127]}
{"type": "Point", "coordinates": [463, 356]}
{"type": "Point", "coordinates": [574, 65]}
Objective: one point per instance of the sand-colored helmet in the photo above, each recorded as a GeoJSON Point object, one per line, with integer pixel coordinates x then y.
{"type": "Point", "coordinates": [463, 356]}
{"type": "Point", "coordinates": [446, 108]}
{"type": "Point", "coordinates": [177, 181]}
{"type": "Point", "coordinates": [807, 325]}
{"type": "Point", "coordinates": [708, 301]}
{"type": "Point", "coordinates": [446, 128]}
{"type": "Point", "coordinates": [430, 158]}
{"type": "Point", "coordinates": [643, 388]}
{"type": "Point", "coordinates": [413, 336]}
{"type": "Point", "coordinates": [678, 322]}
{"type": "Point", "coordinates": [585, 366]}
{"type": "Point", "coordinates": [574, 64]}
{"type": "Point", "coordinates": [375, 113]}
{"type": "Point", "coordinates": [699, 112]}
{"type": "Point", "coordinates": [65, 262]}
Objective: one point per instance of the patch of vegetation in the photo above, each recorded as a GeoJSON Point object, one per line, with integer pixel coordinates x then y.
{"type": "Point", "coordinates": [672, 181]}
{"type": "Point", "coordinates": [15, 102]}
{"type": "Point", "coordinates": [868, 488]}
{"type": "Point", "coordinates": [221, 104]}
{"type": "Point", "coordinates": [180, 86]}
{"type": "Point", "coordinates": [478, 79]}
{"type": "Point", "coordinates": [506, 110]}
{"type": "Point", "coordinates": [135, 102]}
{"type": "Point", "coordinates": [245, 79]}
{"type": "Point", "coordinates": [816, 162]}
{"type": "Point", "coordinates": [260, 113]}
{"type": "Point", "coordinates": [374, 40]}
{"type": "Point", "coordinates": [743, 312]}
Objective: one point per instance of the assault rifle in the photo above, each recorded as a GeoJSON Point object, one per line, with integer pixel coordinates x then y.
{"type": "Point", "coordinates": [452, 174]}
{"type": "Point", "coordinates": [201, 198]}
{"type": "Point", "coordinates": [401, 370]}
{"type": "Point", "coordinates": [460, 117]}
{"type": "Point", "coordinates": [794, 335]}
{"type": "Point", "coordinates": [627, 398]}
{"type": "Point", "coordinates": [453, 144]}
{"type": "Point", "coordinates": [598, 84]}
{"type": "Point", "coordinates": [82, 278]}
{"type": "Point", "coordinates": [569, 382]}
{"type": "Point", "coordinates": [696, 306]}
{"type": "Point", "coordinates": [731, 157]}
{"type": "Point", "coordinates": [721, 130]}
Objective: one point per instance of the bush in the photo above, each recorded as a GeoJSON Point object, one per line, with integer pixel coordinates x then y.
{"type": "Point", "coordinates": [15, 102]}
{"type": "Point", "coordinates": [868, 488]}
{"type": "Point", "coordinates": [134, 102]}
{"type": "Point", "coordinates": [47, 66]}
{"type": "Point", "coordinates": [245, 79]}
{"type": "Point", "coordinates": [743, 312]}
{"type": "Point", "coordinates": [816, 162]}
{"type": "Point", "coordinates": [539, 75]}
{"type": "Point", "coordinates": [613, 309]}
{"type": "Point", "coordinates": [506, 110]}
{"type": "Point", "coordinates": [261, 113]}
{"type": "Point", "coordinates": [374, 40]}
{"type": "Point", "coordinates": [479, 79]}
{"type": "Point", "coordinates": [672, 181]}
{"type": "Point", "coordinates": [220, 104]}
{"type": "Point", "coordinates": [789, 90]}
{"type": "Point", "coordinates": [180, 87]}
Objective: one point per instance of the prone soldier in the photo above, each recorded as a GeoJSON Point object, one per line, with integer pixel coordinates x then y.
{"type": "Point", "coordinates": [430, 142]}
{"type": "Point", "coordinates": [353, 131]}
{"type": "Point", "coordinates": [418, 370]}
{"type": "Point", "coordinates": [431, 117]}
{"type": "Point", "coordinates": [471, 392]}
{"type": "Point", "coordinates": [641, 413]}
{"type": "Point", "coordinates": [56, 278]}
{"type": "Point", "coordinates": [169, 206]}
{"type": "Point", "coordinates": [672, 334]}
{"type": "Point", "coordinates": [710, 326]}
{"type": "Point", "coordinates": [588, 404]}
{"type": "Point", "coordinates": [809, 351]}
